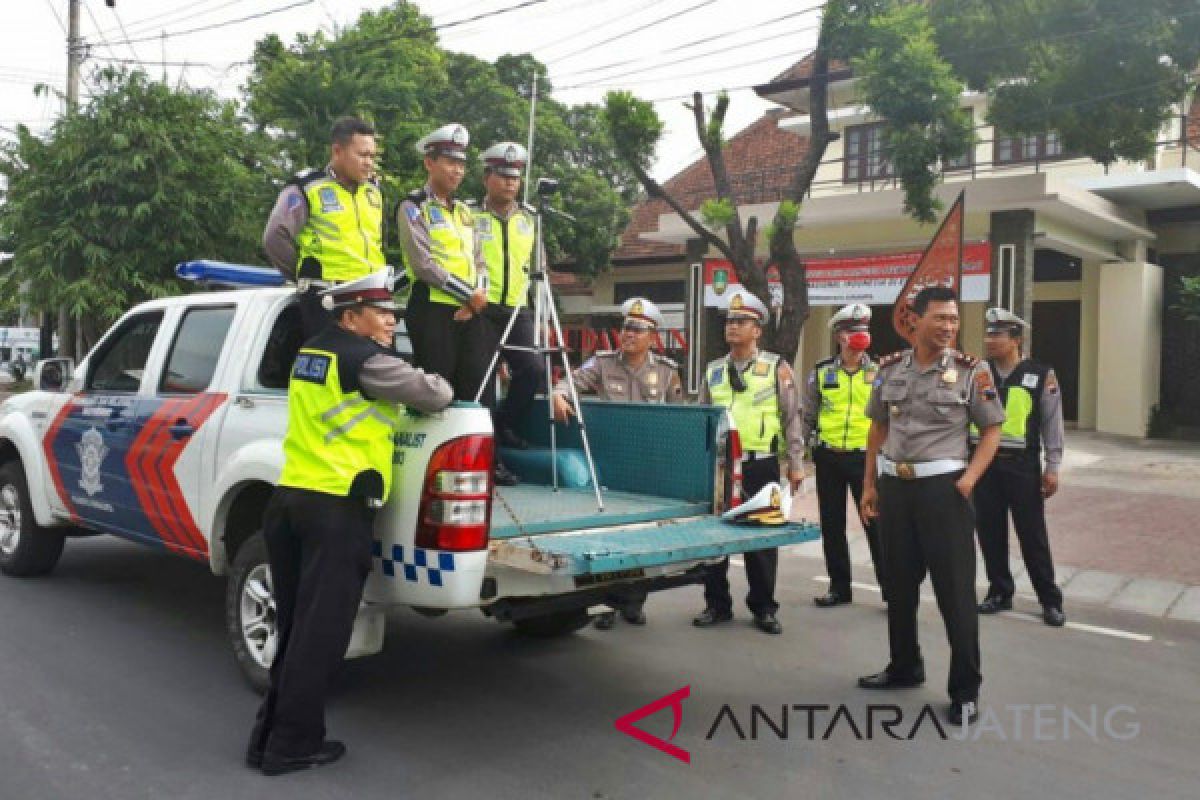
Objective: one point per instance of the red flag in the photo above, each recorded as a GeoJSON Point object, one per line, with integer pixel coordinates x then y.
{"type": "Point", "coordinates": [940, 265]}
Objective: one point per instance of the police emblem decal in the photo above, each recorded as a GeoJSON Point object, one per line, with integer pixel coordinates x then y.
{"type": "Point", "coordinates": [329, 199]}
{"type": "Point", "coordinates": [91, 451]}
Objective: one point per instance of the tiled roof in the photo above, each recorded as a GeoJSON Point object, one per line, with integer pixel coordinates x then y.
{"type": "Point", "coordinates": [761, 159]}
{"type": "Point", "coordinates": [802, 70]}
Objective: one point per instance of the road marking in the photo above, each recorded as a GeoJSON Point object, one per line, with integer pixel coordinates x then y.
{"type": "Point", "coordinates": [1022, 615]}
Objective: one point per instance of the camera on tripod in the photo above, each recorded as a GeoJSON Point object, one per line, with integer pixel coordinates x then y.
{"type": "Point", "coordinates": [546, 187]}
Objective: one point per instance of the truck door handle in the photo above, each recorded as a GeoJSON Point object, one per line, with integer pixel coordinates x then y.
{"type": "Point", "coordinates": [181, 429]}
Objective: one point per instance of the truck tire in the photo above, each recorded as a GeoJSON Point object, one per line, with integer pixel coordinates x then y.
{"type": "Point", "coordinates": [250, 613]}
{"type": "Point", "coordinates": [26, 548]}
{"type": "Point", "coordinates": [548, 626]}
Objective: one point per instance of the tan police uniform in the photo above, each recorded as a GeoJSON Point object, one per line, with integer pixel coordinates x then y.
{"type": "Point", "coordinates": [925, 522]}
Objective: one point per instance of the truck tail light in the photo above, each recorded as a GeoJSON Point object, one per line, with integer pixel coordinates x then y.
{"type": "Point", "coordinates": [729, 467]}
{"type": "Point", "coordinates": [456, 500]}
{"type": "Point", "coordinates": [735, 468]}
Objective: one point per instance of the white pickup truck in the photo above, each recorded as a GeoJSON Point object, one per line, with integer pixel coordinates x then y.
{"type": "Point", "coordinates": [169, 433]}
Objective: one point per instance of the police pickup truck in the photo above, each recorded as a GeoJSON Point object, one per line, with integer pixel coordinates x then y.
{"type": "Point", "coordinates": [169, 433]}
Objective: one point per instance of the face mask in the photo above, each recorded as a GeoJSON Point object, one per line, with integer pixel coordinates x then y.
{"type": "Point", "coordinates": [859, 340]}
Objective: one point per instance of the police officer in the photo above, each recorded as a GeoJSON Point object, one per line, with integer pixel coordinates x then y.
{"type": "Point", "coordinates": [634, 374]}
{"type": "Point", "coordinates": [444, 258]}
{"type": "Point", "coordinates": [343, 401]}
{"type": "Point", "coordinates": [918, 481]}
{"type": "Point", "coordinates": [507, 232]}
{"type": "Point", "coordinates": [835, 404]}
{"type": "Point", "coordinates": [327, 224]}
{"type": "Point", "coordinates": [1016, 482]}
{"type": "Point", "coordinates": [759, 390]}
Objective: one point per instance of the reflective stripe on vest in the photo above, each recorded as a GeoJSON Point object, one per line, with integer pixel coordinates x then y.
{"type": "Point", "coordinates": [344, 231]}
{"type": "Point", "coordinates": [333, 437]}
{"type": "Point", "coordinates": [451, 244]}
{"type": "Point", "coordinates": [756, 410]}
{"type": "Point", "coordinates": [843, 422]}
{"type": "Point", "coordinates": [507, 246]}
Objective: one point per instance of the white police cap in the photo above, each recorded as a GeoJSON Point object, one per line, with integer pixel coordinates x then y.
{"type": "Point", "coordinates": [449, 140]}
{"type": "Point", "coordinates": [506, 158]}
{"type": "Point", "coordinates": [373, 290]}
{"type": "Point", "coordinates": [639, 308]}
{"type": "Point", "coordinates": [745, 305]}
{"type": "Point", "coordinates": [851, 316]}
{"type": "Point", "coordinates": [1001, 320]}
{"type": "Point", "coordinates": [770, 506]}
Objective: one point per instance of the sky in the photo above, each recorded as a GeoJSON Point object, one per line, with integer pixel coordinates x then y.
{"type": "Point", "coordinates": [590, 46]}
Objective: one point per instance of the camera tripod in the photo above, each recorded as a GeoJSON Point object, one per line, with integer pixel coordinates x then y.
{"type": "Point", "coordinates": [545, 321]}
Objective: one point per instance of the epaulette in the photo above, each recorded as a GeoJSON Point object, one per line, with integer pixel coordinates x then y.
{"type": "Point", "coordinates": [768, 356]}
{"type": "Point", "coordinates": [825, 362]}
{"type": "Point", "coordinates": [670, 362]}
{"type": "Point", "coordinates": [306, 176]}
{"type": "Point", "coordinates": [417, 196]}
{"type": "Point", "coordinates": [605, 353]}
{"type": "Point", "coordinates": [964, 359]}
{"type": "Point", "coordinates": [474, 204]}
{"type": "Point", "coordinates": [891, 358]}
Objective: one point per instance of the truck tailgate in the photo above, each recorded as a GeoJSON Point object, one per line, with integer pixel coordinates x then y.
{"type": "Point", "coordinates": [614, 549]}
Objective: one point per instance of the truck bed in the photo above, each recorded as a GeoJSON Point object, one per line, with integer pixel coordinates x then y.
{"type": "Point", "coordinates": [533, 509]}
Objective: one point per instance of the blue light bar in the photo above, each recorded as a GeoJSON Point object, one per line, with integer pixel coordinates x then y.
{"type": "Point", "coordinates": [221, 273]}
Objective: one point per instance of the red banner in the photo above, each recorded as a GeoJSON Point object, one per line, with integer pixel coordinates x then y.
{"type": "Point", "coordinates": [940, 265]}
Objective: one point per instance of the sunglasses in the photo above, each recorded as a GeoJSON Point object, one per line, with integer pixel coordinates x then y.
{"type": "Point", "coordinates": [636, 328]}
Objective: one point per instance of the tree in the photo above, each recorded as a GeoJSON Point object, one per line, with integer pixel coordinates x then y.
{"type": "Point", "coordinates": [100, 211]}
{"type": "Point", "coordinates": [388, 68]}
{"type": "Point", "coordinates": [1037, 60]}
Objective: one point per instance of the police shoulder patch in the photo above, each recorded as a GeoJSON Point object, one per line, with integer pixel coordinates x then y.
{"type": "Point", "coordinates": [306, 176]}
{"type": "Point", "coordinates": [825, 362]}
{"type": "Point", "coordinates": [964, 359]}
{"type": "Point", "coordinates": [417, 196]}
{"type": "Point", "coordinates": [891, 358]}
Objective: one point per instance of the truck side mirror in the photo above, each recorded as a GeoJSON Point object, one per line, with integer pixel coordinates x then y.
{"type": "Point", "coordinates": [53, 374]}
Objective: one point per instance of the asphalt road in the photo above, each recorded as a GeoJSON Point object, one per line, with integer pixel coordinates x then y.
{"type": "Point", "coordinates": [115, 682]}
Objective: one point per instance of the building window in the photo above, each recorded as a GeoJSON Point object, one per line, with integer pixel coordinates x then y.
{"type": "Point", "coordinates": [864, 159]}
{"type": "Point", "coordinates": [1023, 149]}
{"type": "Point", "coordinates": [654, 291]}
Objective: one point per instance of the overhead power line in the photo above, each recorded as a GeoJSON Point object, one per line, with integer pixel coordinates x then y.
{"type": "Point", "coordinates": [225, 24]}
{"type": "Point", "coordinates": [632, 31]}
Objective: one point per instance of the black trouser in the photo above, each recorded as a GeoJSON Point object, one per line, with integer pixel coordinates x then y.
{"type": "Point", "coordinates": [319, 549]}
{"type": "Point", "coordinates": [525, 367]}
{"type": "Point", "coordinates": [761, 565]}
{"type": "Point", "coordinates": [837, 472]}
{"type": "Point", "coordinates": [1014, 484]}
{"type": "Point", "coordinates": [454, 349]}
{"type": "Point", "coordinates": [927, 525]}
{"type": "Point", "coordinates": [313, 316]}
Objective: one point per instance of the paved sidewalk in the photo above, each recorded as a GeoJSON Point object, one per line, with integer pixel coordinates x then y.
{"type": "Point", "coordinates": [1123, 527]}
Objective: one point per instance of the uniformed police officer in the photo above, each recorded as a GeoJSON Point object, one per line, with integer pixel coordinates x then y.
{"type": "Point", "coordinates": [634, 374]}
{"type": "Point", "coordinates": [759, 389]}
{"type": "Point", "coordinates": [327, 224]}
{"type": "Point", "coordinates": [507, 232]}
{"type": "Point", "coordinates": [1016, 481]}
{"type": "Point", "coordinates": [835, 405]}
{"type": "Point", "coordinates": [444, 259]}
{"type": "Point", "coordinates": [342, 408]}
{"type": "Point", "coordinates": [918, 483]}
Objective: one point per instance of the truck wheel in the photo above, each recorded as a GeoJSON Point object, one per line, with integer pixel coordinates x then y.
{"type": "Point", "coordinates": [548, 626]}
{"type": "Point", "coordinates": [250, 613]}
{"type": "Point", "coordinates": [26, 548]}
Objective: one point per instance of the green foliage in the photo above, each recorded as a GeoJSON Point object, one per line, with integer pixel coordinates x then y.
{"type": "Point", "coordinates": [635, 126]}
{"type": "Point", "coordinates": [1102, 73]}
{"type": "Point", "coordinates": [1189, 298]}
{"type": "Point", "coordinates": [717, 212]}
{"type": "Point", "coordinates": [142, 177]}
{"type": "Point", "coordinates": [785, 218]}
